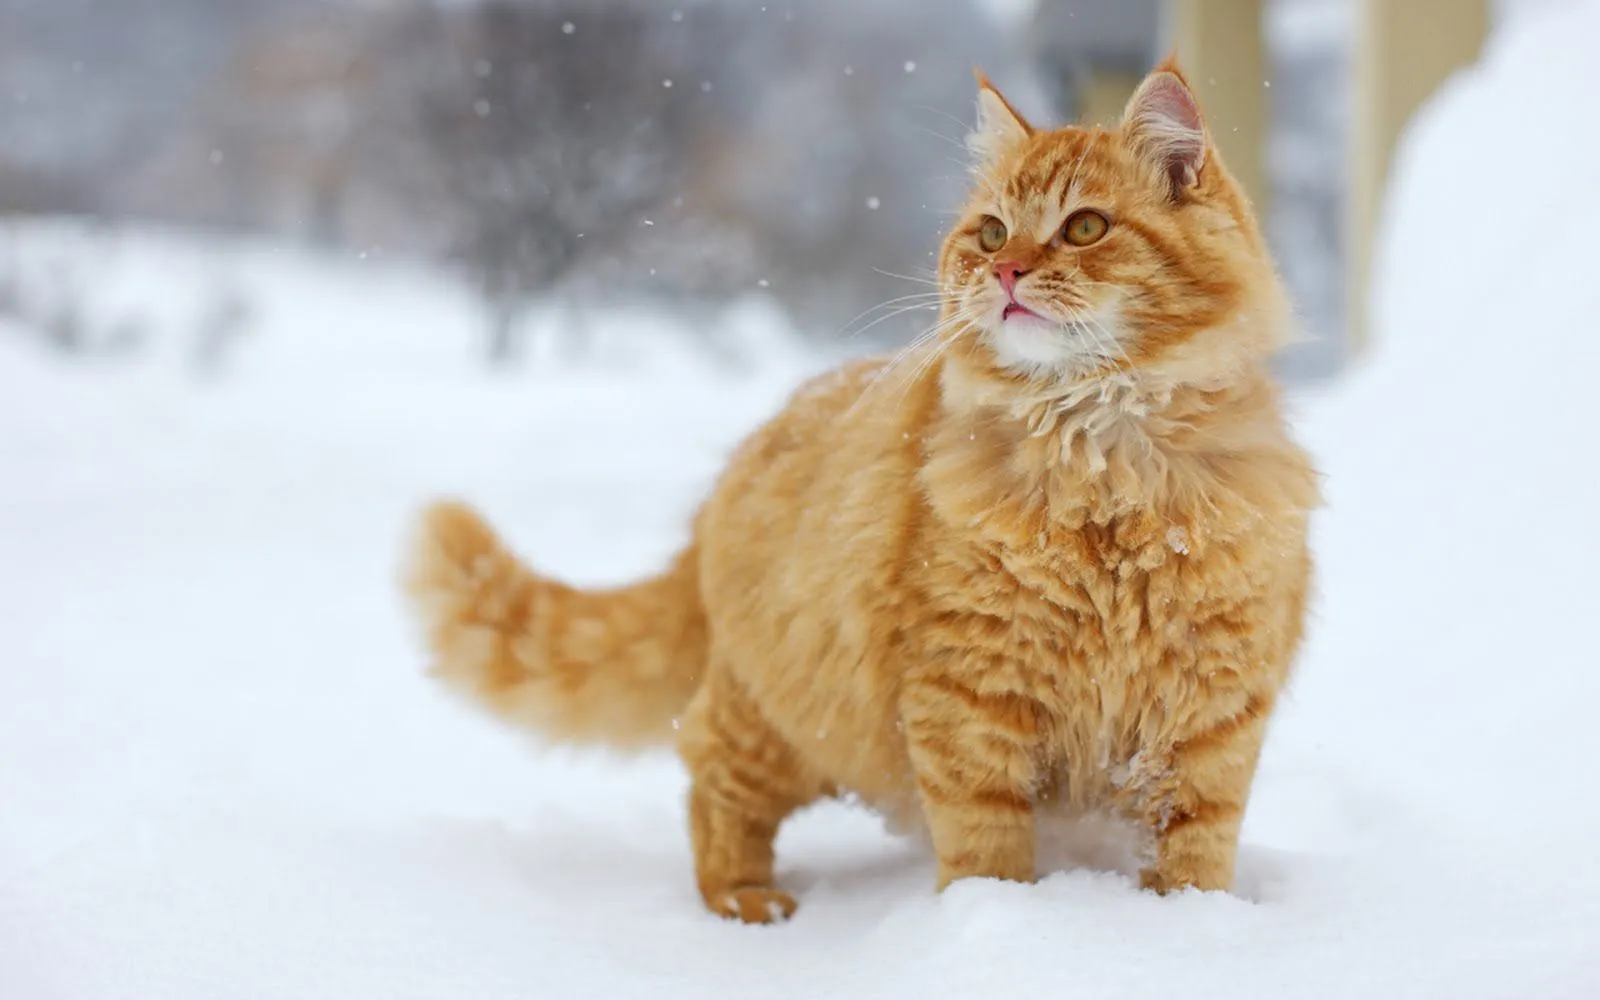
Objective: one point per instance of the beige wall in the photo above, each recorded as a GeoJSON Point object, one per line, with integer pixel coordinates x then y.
{"type": "Point", "coordinates": [1219, 45]}
{"type": "Point", "coordinates": [1105, 95]}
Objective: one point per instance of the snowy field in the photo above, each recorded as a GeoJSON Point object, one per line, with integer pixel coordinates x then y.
{"type": "Point", "coordinates": [224, 776]}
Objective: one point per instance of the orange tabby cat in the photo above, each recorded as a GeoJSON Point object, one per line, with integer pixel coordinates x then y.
{"type": "Point", "coordinates": [1055, 555]}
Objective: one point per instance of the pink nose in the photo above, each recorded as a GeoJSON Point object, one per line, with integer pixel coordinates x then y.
{"type": "Point", "coordinates": [1009, 272]}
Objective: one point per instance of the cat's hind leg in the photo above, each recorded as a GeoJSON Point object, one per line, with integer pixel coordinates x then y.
{"type": "Point", "coordinates": [744, 780]}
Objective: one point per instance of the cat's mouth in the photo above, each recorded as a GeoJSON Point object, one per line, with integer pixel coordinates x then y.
{"type": "Point", "coordinates": [1029, 341]}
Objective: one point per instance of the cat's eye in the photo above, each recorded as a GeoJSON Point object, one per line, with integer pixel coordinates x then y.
{"type": "Point", "coordinates": [1084, 228]}
{"type": "Point", "coordinates": [992, 234]}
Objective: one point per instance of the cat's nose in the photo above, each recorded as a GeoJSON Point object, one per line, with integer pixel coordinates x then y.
{"type": "Point", "coordinates": [1009, 272]}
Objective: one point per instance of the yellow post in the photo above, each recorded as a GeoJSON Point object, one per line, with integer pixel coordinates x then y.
{"type": "Point", "coordinates": [1220, 49]}
{"type": "Point", "coordinates": [1403, 50]}
{"type": "Point", "coordinates": [1104, 96]}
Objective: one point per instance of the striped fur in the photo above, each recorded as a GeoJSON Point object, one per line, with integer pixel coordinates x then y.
{"type": "Point", "coordinates": [956, 588]}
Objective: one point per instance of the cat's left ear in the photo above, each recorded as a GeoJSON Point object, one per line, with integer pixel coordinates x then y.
{"type": "Point", "coordinates": [1163, 125]}
{"type": "Point", "coordinates": [1000, 129]}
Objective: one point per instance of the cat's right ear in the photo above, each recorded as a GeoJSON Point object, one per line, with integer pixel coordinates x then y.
{"type": "Point", "coordinates": [1163, 124]}
{"type": "Point", "coordinates": [1000, 129]}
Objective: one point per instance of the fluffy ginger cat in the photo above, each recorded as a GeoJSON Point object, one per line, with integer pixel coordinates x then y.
{"type": "Point", "coordinates": [1054, 556]}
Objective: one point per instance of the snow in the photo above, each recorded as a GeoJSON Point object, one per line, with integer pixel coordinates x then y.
{"type": "Point", "coordinates": [224, 775]}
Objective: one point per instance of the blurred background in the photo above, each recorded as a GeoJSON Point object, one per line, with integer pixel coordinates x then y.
{"type": "Point", "coordinates": [551, 157]}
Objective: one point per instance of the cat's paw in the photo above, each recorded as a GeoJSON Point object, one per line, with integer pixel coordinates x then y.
{"type": "Point", "coordinates": [1154, 881]}
{"type": "Point", "coordinates": [1164, 883]}
{"type": "Point", "coordinates": [753, 904]}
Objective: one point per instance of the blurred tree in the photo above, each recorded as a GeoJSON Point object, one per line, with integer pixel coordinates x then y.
{"type": "Point", "coordinates": [554, 129]}
{"type": "Point", "coordinates": [839, 150]}
{"type": "Point", "coordinates": [630, 149]}
{"type": "Point", "coordinates": [684, 154]}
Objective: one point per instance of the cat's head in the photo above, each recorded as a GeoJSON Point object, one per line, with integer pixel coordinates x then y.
{"type": "Point", "coordinates": [1087, 250]}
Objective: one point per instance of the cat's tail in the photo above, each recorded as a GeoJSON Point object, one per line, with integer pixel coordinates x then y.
{"type": "Point", "coordinates": [609, 667]}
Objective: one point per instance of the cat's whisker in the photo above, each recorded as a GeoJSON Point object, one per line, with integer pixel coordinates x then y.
{"type": "Point", "coordinates": [960, 317]}
{"type": "Point", "coordinates": [1127, 367]}
{"type": "Point", "coordinates": [928, 362]}
{"type": "Point", "coordinates": [893, 363]}
{"type": "Point", "coordinates": [960, 320]}
{"type": "Point", "coordinates": [931, 278]}
{"type": "Point", "coordinates": [1080, 322]}
{"type": "Point", "coordinates": [915, 376]}
{"type": "Point", "coordinates": [1110, 347]}
{"type": "Point", "coordinates": [934, 331]}
{"type": "Point", "coordinates": [933, 295]}
{"type": "Point", "coordinates": [1115, 341]}
{"type": "Point", "coordinates": [964, 164]}
{"type": "Point", "coordinates": [1089, 325]}
{"type": "Point", "coordinates": [958, 143]}
{"type": "Point", "coordinates": [897, 305]}
{"type": "Point", "coordinates": [964, 126]}
{"type": "Point", "coordinates": [903, 310]}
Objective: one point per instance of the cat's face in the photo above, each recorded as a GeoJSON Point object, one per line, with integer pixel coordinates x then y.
{"type": "Point", "coordinates": [1083, 251]}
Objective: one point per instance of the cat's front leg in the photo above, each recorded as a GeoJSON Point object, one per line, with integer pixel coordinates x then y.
{"type": "Point", "coordinates": [976, 758]}
{"type": "Point", "coordinates": [1195, 803]}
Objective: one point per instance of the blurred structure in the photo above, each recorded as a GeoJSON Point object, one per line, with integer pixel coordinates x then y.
{"type": "Point", "coordinates": [1094, 52]}
{"type": "Point", "coordinates": [1221, 45]}
{"type": "Point", "coordinates": [1403, 52]}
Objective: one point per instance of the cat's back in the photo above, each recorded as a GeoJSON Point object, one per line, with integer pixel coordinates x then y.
{"type": "Point", "coordinates": [802, 547]}
{"type": "Point", "coordinates": [809, 418]}
{"type": "Point", "coordinates": [802, 533]}
{"type": "Point", "coordinates": [829, 428]}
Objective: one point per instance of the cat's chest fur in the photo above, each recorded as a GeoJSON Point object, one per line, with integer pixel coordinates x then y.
{"type": "Point", "coordinates": [1095, 603]}
{"type": "Point", "coordinates": [1113, 636]}
{"type": "Point", "coordinates": [1119, 613]}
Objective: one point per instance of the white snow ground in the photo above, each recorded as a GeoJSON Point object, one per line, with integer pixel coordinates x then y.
{"type": "Point", "coordinates": [223, 775]}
